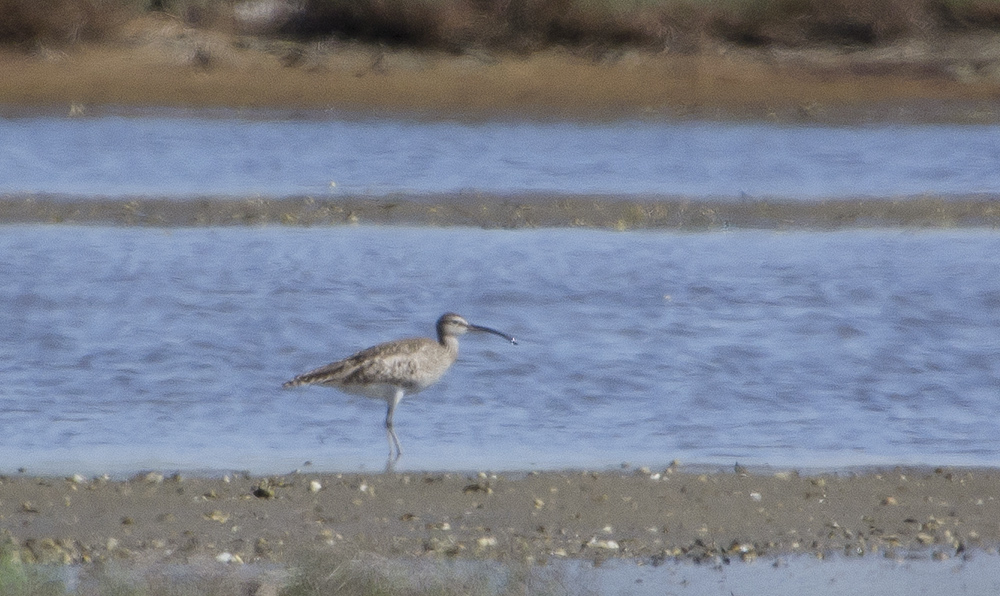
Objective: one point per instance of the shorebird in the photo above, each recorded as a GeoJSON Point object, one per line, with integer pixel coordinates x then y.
{"type": "Point", "coordinates": [394, 369]}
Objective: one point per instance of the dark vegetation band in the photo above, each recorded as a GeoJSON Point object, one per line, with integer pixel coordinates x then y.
{"type": "Point", "coordinates": [517, 25]}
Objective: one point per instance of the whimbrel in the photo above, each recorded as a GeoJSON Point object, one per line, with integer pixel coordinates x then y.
{"type": "Point", "coordinates": [392, 370]}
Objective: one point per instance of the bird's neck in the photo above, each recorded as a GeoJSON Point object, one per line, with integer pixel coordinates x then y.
{"type": "Point", "coordinates": [450, 342]}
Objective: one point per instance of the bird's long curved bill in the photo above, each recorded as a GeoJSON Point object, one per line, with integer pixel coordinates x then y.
{"type": "Point", "coordinates": [509, 338]}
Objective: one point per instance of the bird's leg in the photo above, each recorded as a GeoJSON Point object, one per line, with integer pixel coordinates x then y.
{"type": "Point", "coordinates": [390, 434]}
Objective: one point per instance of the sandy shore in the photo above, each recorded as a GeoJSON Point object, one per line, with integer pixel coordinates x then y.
{"type": "Point", "coordinates": [640, 514]}
{"type": "Point", "coordinates": [158, 61]}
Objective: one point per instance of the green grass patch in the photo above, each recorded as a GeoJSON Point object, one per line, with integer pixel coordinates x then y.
{"type": "Point", "coordinates": [320, 574]}
{"type": "Point", "coordinates": [18, 578]}
{"type": "Point", "coordinates": [316, 573]}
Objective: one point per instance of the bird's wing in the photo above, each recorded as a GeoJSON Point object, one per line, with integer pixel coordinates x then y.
{"type": "Point", "coordinates": [389, 363]}
{"type": "Point", "coordinates": [394, 363]}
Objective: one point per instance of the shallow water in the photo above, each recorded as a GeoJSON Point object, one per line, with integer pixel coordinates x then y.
{"type": "Point", "coordinates": [805, 575]}
{"type": "Point", "coordinates": [792, 576]}
{"type": "Point", "coordinates": [126, 348]}
{"type": "Point", "coordinates": [156, 154]}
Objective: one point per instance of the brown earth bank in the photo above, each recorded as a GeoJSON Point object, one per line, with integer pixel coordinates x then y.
{"type": "Point", "coordinates": [159, 60]}
{"type": "Point", "coordinates": [641, 514]}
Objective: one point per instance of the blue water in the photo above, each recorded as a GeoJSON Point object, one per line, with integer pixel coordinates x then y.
{"type": "Point", "coordinates": [128, 348]}
{"type": "Point", "coordinates": [157, 155]}
{"type": "Point", "coordinates": [125, 348]}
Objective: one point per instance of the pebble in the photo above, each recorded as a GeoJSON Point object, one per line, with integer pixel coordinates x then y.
{"type": "Point", "coordinates": [228, 557]}
{"type": "Point", "coordinates": [600, 543]}
{"type": "Point", "coordinates": [151, 478]}
{"type": "Point", "coordinates": [218, 516]}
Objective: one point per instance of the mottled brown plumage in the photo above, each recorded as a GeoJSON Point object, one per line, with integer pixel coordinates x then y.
{"type": "Point", "coordinates": [392, 370]}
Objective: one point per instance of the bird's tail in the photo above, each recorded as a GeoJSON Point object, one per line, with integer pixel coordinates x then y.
{"type": "Point", "coordinates": [304, 379]}
{"type": "Point", "coordinates": [320, 375]}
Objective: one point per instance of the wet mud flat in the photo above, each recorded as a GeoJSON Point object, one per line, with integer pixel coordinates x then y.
{"type": "Point", "coordinates": [511, 212]}
{"type": "Point", "coordinates": [650, 516]}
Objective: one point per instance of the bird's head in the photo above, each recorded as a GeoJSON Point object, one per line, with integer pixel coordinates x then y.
{"type": "Point", "coordinates": [454, 325]}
